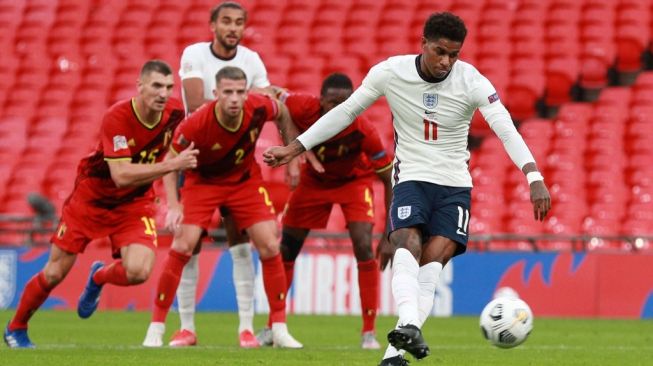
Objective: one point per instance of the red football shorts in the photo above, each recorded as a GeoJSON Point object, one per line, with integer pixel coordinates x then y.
{"type": "Point", "coordinates": [127, 224]}
{"type": "Point", "coordinates": [309, 206]}
{"type": "Point", "coordinates": [248, 202]}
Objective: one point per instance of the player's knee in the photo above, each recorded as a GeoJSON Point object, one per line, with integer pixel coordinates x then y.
{"type": "Point", "coordinates": [138, 275]}
{"type": "Point", "coordinates": [363, 252]}
{"type": "Point", "coordinates": [362, 243]}
{"type": "Point", "coordinates": [184, 246]}
{"type": "Point", "coordinates": [290, 246]}
{"type": "Point", "coordinates": [407, 239]}
{"type": "Point", "coordinates": [53, 275]}
{"type": "Point", "coordinates": [138, 271]}
{"type": "Point", "coordinates": [267, 250]}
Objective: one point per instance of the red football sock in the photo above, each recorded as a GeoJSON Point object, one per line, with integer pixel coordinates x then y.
{"type": "Point", "coordinates": [34, 295]}
{"type": "Point", "coordinates": [368, 284]}
{"type": "Point", "coordinates": [114, 274]}
{"type": "Point", "coordinates": [168, 283]}
{"type": "Point", "coordinates": [274, 282]}
{"type": "Point", "coordinates": [289, 268]}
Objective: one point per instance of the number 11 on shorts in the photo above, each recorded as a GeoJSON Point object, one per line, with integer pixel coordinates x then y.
{"type": "Point", "coordinates": [463, 221]}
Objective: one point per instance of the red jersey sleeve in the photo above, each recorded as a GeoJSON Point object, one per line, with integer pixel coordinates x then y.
{"type": "Point", "coordinates": [270, 104]}
{"type": "Point", "coordinates": [114, 136]}
{"type": "Point", "coordinates": [304, 109]}
{"type": "Point", "coordinates": [373, 147]}
{"type": "Point", "coordinates": [183, 136]}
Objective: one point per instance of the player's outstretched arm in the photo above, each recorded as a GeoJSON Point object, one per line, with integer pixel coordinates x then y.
{"type": "Point", "coordinates": [540, 197]}
{"type": "Point", "coordinates": [128, 174]}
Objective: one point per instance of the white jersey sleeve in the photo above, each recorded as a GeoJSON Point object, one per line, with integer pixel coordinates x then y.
{"type": "Point", "coordinates": [344, 114]}
{"type": "Point", "coordinates": [191, 63]}
{"type": "Point", "coordinates": [259, 73]}
{"type": "Point", "coordinates": [498, 117]}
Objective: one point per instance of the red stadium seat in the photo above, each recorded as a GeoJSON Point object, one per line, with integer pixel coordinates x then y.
{"type": "Point", "coordinates": [523, 92]}
{"type": "Point", "coordinates": [561, 32]}
{"type": "Point", "coordinates": [305, 82]}
{"type": "Point", "coordinates": [617, 96]}
{"type": "Point", "coordinates": [326, 40]}
{"type": "Point", "coordinates": [363, 17]}
{"type": "Point", "coordinates": [561, 74]}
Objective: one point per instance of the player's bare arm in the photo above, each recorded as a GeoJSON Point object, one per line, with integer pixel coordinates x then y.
{"type": "Point", "coordinates": [175, 212]}
{"type": "Point", "coordinates": [540, 196]}
{"type": "Point", "coordinates": [288, 132]}
{"type": "Point", "coordinates": [268, 90]}
{"type": "Point", "coordinates": [193, 93]}
{"type": "Point", "coordinates": [385, 250]}
{"type": "Point", "coordinates": [127, 174]}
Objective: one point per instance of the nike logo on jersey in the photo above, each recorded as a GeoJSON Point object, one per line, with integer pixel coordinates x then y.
{"type": "Point", "coordinates": [459, 232]}
{"type": "Point", "coordinates": [429, 112]}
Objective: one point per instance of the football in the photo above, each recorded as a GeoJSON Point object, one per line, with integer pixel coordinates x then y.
{"type": "Point", "coordinates": [506, 322]}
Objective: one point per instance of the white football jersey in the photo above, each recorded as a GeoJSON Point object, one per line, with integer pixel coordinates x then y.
{"type": "Point", "coordinates": [431, 119]}
{"type": "Point", "coordinates": [199, 61]}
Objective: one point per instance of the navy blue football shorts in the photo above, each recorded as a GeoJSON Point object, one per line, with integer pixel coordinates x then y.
{"type": "Point", "coordinates": [434, 209]}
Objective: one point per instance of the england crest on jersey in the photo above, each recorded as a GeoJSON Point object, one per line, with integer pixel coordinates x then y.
{"type": "Point", "coordinates": [8, 259]}
{"type": "Point", "coordinates": [403, 212]}
{"type": "Point", "coordinates": [430, 100]}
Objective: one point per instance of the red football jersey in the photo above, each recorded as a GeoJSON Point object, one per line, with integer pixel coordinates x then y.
{"type": "Point", "coordinates": [226, 154]}
{"type": "Point", "coordinates": [355, 152]}
{"type": "Point", "coordinates": [124, 136]}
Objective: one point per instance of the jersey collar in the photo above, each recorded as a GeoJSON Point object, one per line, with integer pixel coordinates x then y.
{"type": "Point", "coordinates": [220, 57]}
{"type": "Point", "coordinates": [230, 129]}
{"type": "Point", "coordinates": [425, 77]}
{"type": "Point", "coordinates": [147, 125]}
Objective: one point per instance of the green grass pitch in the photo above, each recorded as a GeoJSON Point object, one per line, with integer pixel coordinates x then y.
{"type": "Point", "coordinates": [114, 338]}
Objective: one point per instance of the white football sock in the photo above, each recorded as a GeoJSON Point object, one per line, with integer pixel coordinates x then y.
{"type": "Point", "coordinates": [427, 278]}
{"type": "Point", "coordinates": [392, 352]}
{"type": "Point", "coordinates": [405, 288]}
{"type": "Point", "coordinates": [243, 275]}
{"type": "Point", "coordinates": [186, 293]}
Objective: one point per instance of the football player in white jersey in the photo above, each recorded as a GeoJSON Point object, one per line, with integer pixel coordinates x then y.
{"type": "Point", "coordinates": [432, 97]}
{"type": "Point", "coordinates": [199, 64]}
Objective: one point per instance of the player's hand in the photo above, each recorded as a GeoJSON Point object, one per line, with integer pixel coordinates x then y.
{"type": "Point", "coordinates": [279, 155]}
{"type": "Point", "coordinates": [187, 159]}
{"type": "Point", "coordinates": [292, 173]}
{"type": "Point", "coordinates": [314, 161]}
{"type": "Point", "coordinates": [384, 252]}
{"type": "Point", "coordinates": [174, 218]}
{"type": "Point", "coordinates": [541, 200]}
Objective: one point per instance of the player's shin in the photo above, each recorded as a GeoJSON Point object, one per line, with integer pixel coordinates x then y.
{"type": "Point", "coordinates": [405, 287]}
{"type": "Point", "coordinates": [34, 295]}
{"type": "Point", "coordinates": [368, 284]}
{"type": "Point", "coordinates": [274, 282]}
{"type": "Point", "coordinates": [428, 278]}
{"type": "Point", "coordinates": [289, 268]}
{"type": "Point", "coordinates": [243, 277]}
{"type": "Point", "coordinates": [168, 284]}
{"type": "Point", "coordinates": [186, 293]}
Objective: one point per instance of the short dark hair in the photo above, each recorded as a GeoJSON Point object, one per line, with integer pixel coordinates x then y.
{"type": "Point", "coordinates": [231, 73]}
{"type": "Point", "coordinates": [215, 12]}
{"type": "Point", "coordinates": [445, 25]}
{"type": "Point", "coordinates": [337, 81]}
{"type": "Point", "coordinates": [156, 66]}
